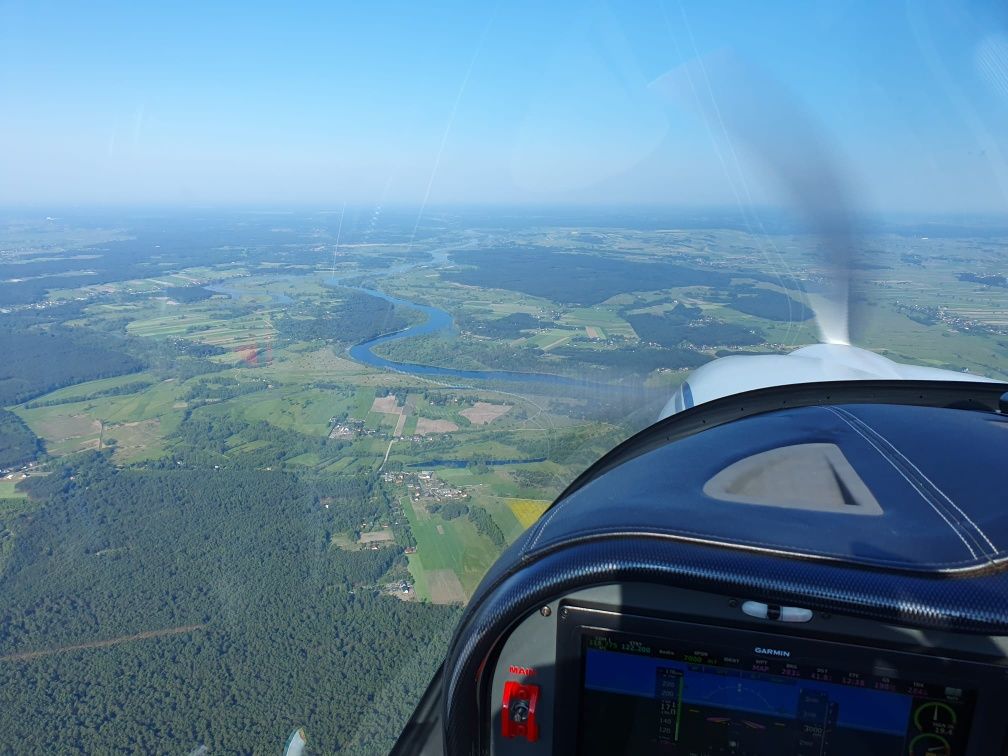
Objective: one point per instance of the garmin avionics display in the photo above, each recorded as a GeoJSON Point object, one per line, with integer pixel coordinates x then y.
{"type": "Point", "coordinates": [643, 696]}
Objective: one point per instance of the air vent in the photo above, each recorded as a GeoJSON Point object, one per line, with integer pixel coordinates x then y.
{"type": "Point", "coordinates": [813, 477]}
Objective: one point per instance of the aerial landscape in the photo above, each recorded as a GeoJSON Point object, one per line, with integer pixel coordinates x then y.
{"type": "Point", "coordinates": [309, 312]}
{"type": "Point", "coordinates": [249, 458]}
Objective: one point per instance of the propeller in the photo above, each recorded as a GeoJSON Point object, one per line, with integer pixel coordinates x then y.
{"type": "Point", "coordinates": [744, 106]}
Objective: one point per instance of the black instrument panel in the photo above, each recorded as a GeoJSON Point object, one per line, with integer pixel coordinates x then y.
{"type": "Point", "coordinates": [640, 685]}
{"type": "Point", "coordinates": [653, 670]}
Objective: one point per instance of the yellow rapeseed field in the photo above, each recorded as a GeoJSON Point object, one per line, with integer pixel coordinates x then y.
{"type": "Point", "coordinates": [527, 511]}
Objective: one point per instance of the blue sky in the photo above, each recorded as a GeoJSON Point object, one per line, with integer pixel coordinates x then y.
{"type": "Point", "coordinates": [321, 103]}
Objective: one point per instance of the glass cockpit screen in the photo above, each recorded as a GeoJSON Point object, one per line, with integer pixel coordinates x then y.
{"type": "Point", "coordinates": [642, 696]}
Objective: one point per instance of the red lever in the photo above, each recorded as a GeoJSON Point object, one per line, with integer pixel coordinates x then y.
{"type": "Point", "coordinates": [518, 711]}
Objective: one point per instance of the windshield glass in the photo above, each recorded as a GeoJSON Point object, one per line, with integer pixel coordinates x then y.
{"type": "Point", "coordinates": [307, 312]}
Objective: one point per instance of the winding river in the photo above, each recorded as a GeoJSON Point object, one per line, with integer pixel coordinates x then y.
{"type": "Point", "coordinates": [437, 320]}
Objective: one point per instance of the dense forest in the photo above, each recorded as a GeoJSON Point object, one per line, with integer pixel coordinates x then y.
{"type": "Point", "coordinates": [485, 524]}
{"type": "Point", "coordinates": [577, 278]}
{"type": "Point", "coordinates": [48, 360]}
{"type": "Point", "coordinates": [668, 332]}
{"type": "Point", "coordinates": [357, 317]}
{"type": "Point", "coordinates": [18, 444]}
{"type": "Point", "coordinates": [987, 279]}
{"type": "Point", "coordinates": [155, 247]}
{"type": "Point", "coordinates": [450, 510]}
{"type": "Point", "coordinates": [32, 290]}
{"type": "Point", "coordinates": [219, 389]}
{"type": "Point", "coordinates": [508, 327]}
{"type": "Point", "coordinates": [639, 359]}
{"type": "Point", "coordinates": [573, 278]}
{"type": "Point", "coordinates": [187, 294]}
{"type": "Point", "coordinates": [266, 626]}
{"type": "Point", "coordinates": [477, 354]}
{"type": "Point", "coordinates": [52, 355]}
{"type": "Point", "coordinates": [771, 305]}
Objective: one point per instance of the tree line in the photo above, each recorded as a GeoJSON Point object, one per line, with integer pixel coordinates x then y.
{"type": "Point", "coordinates": [18, 445]}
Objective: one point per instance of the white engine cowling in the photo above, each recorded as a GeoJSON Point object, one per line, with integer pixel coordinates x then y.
{"type": "Point", "coordinates": [811, 364]}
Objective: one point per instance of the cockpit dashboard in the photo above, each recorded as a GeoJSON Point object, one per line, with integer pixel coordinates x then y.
{"type": "Point", "coordinates": [814, 570]}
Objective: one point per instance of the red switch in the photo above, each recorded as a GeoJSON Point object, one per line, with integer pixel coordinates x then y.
{"type": "Point", "coordinates": [518, 711]}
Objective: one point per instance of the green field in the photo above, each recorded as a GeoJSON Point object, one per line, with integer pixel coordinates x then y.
{"type": "Point", "coordinates": [611, 323]}
{"type": "Point", "coordinates": [447, 545]}
{"type": "Point", "coordinates": [554, 337]}
{"type": "Point", "coordinates": [362, 403]}
{"type": "Point", "coordinates": [80, 390]}
{"type": "Point", "coordinates": [304, 365]}
{"type": "Point", "coordinates": [138, 422]}
{"type": "Point", "coordinates": [201, 324]}
{"type": "Point", "coordinates": [900, 338]}
{"type": "Point", "coordinates": [8, 490]}
{"type": "Point", "coordinates": [307, 411]}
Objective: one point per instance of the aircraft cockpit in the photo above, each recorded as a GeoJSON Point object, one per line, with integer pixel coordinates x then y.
{"type": "Point", "coordinates": [814, 569]}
